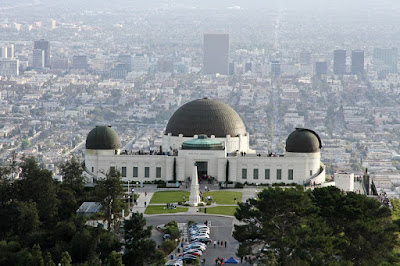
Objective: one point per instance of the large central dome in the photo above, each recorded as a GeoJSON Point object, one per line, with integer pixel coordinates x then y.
{"type": "Point", "coordinates": [205, 116]}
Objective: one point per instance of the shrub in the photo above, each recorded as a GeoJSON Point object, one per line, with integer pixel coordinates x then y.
{"type": "Point", "coordinates": [191, 222]}
{"type": "Point", "coordinates": [238, 185]}
{"type": "Point", "coordinates": [174, 232]}
{"type": "Point", "coordinates": [168, 246]}
{"type": "Point", "coordinates": [278, 184]}
{"type": "Point", "coordinates": [172, 223]}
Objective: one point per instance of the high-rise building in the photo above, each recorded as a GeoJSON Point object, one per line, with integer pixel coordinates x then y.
{"type": "Point", "coordinates": [305, 58]}
{"type": "Point", "coordinates": [385, 61]}
{"type": "Point", "coordinates": [216, 53]}
{"type": "Point", "coordinates": [7, 51]}
{"type": "Point", "coordinates": [339, 62]}
{"type": "Point", "coordinates": [79, 62]}
{"type": "Point", "coordinates": [38, 59]}
{"type": "Point", "coordinates": [118, 71]}
{"type": "Point", "coordinates": [45, 46]}
{"type": "Point", "coordinates": [357, 62]}
{"type": "Point", "coordinates": [140, 63]}
{"type": "Point", "coordinates": [126, 61]}
{"type": "Point", "coordinates": [275, 68]}
{"type": "Point", "coordinates": [321, 68]}
{"type": "Point", "coordinates": [9, 67]}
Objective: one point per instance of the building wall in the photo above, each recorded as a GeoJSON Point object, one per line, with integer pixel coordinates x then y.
{"type": "Point", "coordinates": [232, 144]}
{"type": "Point", "coordinates": [305, 166]}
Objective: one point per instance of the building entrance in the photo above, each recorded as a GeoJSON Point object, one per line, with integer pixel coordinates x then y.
{"type": "Point", "coordinates": [202, 170]}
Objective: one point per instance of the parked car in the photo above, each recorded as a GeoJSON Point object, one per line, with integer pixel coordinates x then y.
{"type": "Point", "coordinates": [202, 248]}
{"type": "Point", "coordinates": [204, 240]}
{"type": "Point", "coordinates": [196, 252]}
{"type": "Point", "coordinates": [198, 243]}
{"type": "Point", "coordinates": [189, 257]}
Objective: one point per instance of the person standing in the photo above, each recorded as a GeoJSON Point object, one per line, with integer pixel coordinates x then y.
{"type": "Point", "coordinates": [215, 243]}
{"type": "Point", "coordinates": [145, 203]}
{"type": "Point", "coordinates": [225, 244]}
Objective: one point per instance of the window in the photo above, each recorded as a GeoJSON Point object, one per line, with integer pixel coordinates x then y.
{"type": "Point", "coordinates": [255, 173]}
{"type": "Point", "coordinates": [112, 169]}
{"type": "Point", "coordinates": [310, 172]}
{"type": "Point", "coordinates": [267, 174]}
{"type": "Point", "coordinates": [147, 172]}
{"type": "Point", "coordinates": [123, 171]}
{"type": "Point", "coordinates": [92, 169]}
{"type": "Point", "coordinates": [135, 172]}
{"type": "Point", "coordinates": [278, 174]}
{"type": "Point", "coordinates": [158, 172]}
{"type": "Point", "coordinates": [244, 173]}
{"type": "Point", "coordinates": [290, 174]}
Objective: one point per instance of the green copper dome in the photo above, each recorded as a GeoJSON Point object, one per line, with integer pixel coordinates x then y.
{"type": "Point", "coordinates": [103, 138]}
{"type": "Point", "coordinates": [202, 143]}
{"type": "Point", "coordinates": [303, 140]}
{"type": "Point", "coordinates": [205, 116]}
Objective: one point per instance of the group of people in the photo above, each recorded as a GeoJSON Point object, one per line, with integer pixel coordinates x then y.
{"type": "Point", "coordinates": [219, 243]}
{"type": "Point", "coordinates": [384, 199]}
{"type": "Point", "coordinates": [220, 261]}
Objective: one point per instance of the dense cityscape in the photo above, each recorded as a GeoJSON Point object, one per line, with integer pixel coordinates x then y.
{"type": "Point", "coordinates": [67, 68]}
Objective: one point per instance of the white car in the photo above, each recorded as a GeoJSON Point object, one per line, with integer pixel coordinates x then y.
{"type": "Point", "coordinates": [202, 248]}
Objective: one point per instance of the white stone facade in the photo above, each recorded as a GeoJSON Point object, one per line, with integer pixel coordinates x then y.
{"type": "Point", "coordinates": [264, 169]}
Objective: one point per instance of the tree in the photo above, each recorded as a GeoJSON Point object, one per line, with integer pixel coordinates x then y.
{"type": "Point", "coordinates": [286, 223]}
{"type": "Point", "coordinates": [48, 261]}
{"type": "Point", "coordinates": [72, 174]}
{"type": "Point", "coordinates": [37, 185]}
{"type": "Point", "coordinates": [363, 227]}
{"type": "Point", "coordinates": [37, 257]}
{"type": "Point", "coordinates": [140, 250]}
{"type": "Point", "coordinates": [108, 191]}
{"type": "Point", "coordinates": [114, 259]}
{"type": "Point", "coordinates": [25, 144]}
{"type": "Point", "coordinates": [66, 259]}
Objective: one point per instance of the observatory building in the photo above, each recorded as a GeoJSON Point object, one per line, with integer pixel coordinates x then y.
{"type": "Point", "coordinates": [211, 135]}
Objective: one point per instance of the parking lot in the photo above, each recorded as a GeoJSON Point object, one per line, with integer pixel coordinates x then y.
{"type": "Point", "coordinates": [220, 230]}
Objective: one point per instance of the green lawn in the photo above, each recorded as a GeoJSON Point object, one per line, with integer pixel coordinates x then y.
{"type": "Point", "coordinates": [152, 209]}
{"type": "Point", "coordinates": [224, 197]}
{"type": "Point", "coordinates": [169, 196]}
{"type": "Point", "coordinates": [225, 210]}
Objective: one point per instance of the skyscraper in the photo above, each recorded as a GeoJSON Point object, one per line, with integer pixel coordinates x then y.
{"type": "Point", "coordinates": [45, 46]}
{"type": "Point", "coordinates": [385, 61]}
{"type": "Point", "coordinates": [357, 62]}
{"type": "Point", "coordinates": [339, 62]}
{"type": "Point", "coordinates": [216, 53]}
{"type": "Point", "coordinates": [38, 59]}
{"type": "Point", "coordinates": [321, 68]}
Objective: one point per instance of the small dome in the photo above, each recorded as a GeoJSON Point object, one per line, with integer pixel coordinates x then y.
{"type": "Point", "coordinates": [205, 116]}
{"type": "Point", "coordinates": [103, 138]}
{"type": "Point", "coordinates": [303, 140]}
{"type": "Point", "coordinates": [202, 143]}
